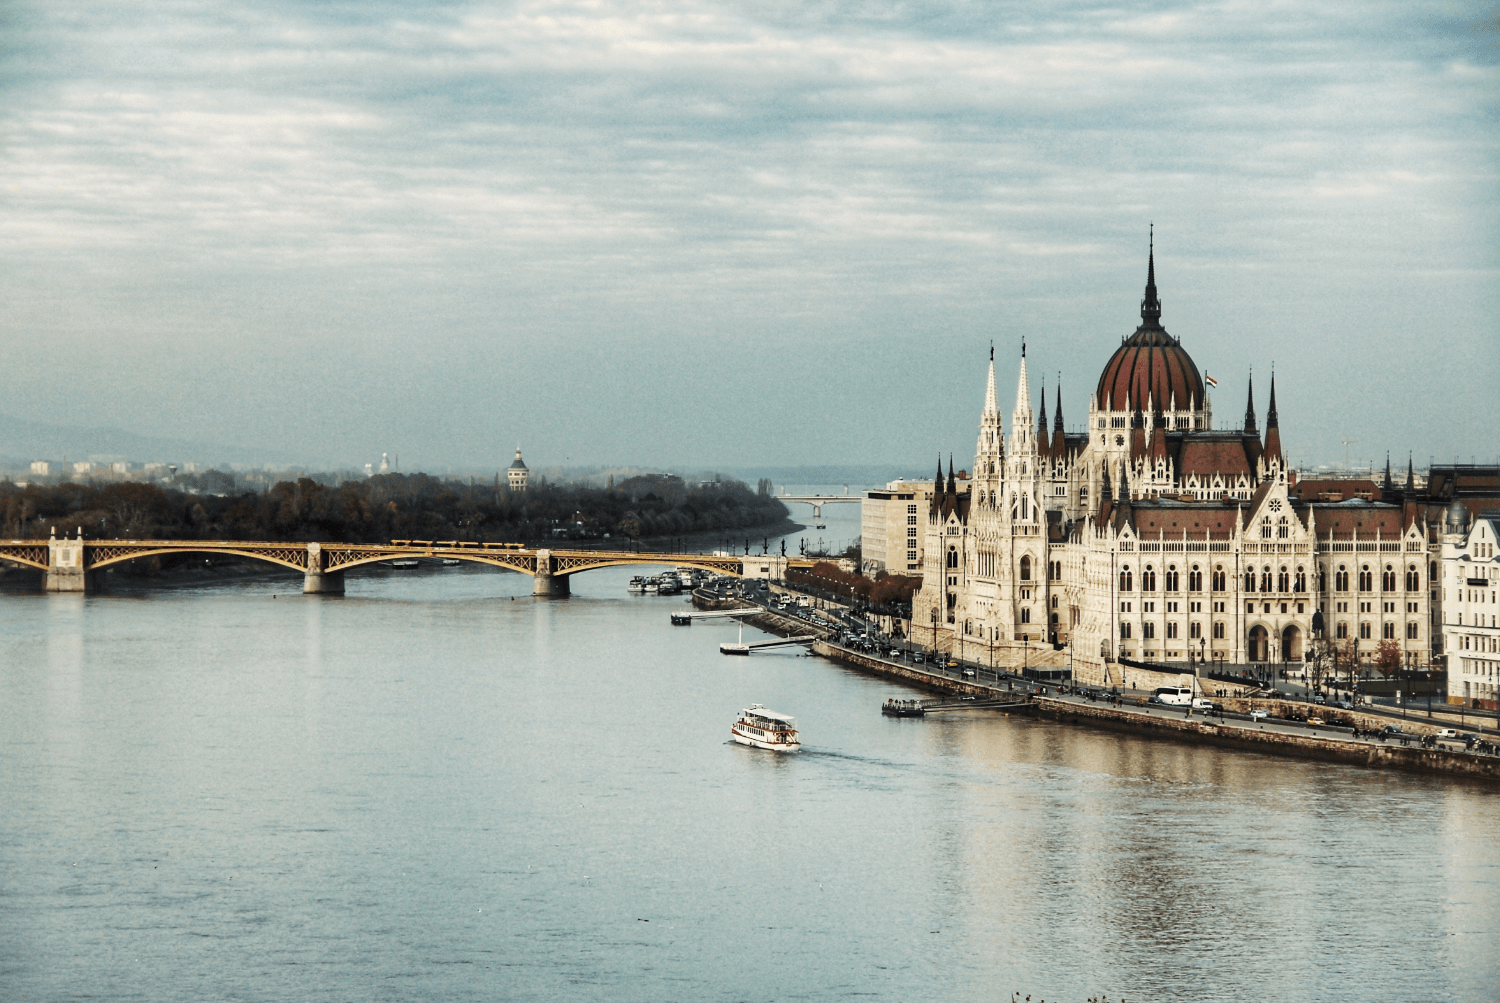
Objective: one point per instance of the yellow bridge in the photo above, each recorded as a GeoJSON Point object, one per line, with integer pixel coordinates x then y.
{"type": "Point", "coordinates": [70, 564]}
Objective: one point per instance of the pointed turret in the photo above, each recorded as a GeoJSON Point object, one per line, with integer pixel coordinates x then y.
{"type": "Point", "coordinates": [991, 402]}
{"type": "Point", "coordinates": [1250, 436]}
{"type": "Point", "coordinates": [1273, 431]}
{"type": "Point", "coordinates": [1158, 437]}
{"type": "Point", "coordinates": [1059, 442]}
{"type": "Point", "coordinates": [952, 483]}
{"type": "Point", "coordinates": [1137, 436]}
{"type": "Point", "coordinates": [1411, 476]}
{"type": "Point", "coordinates": [937, 486]}
{"type": "Point", "coordinates": [1387, 485]}
{"type": "Point", "coordinates": [1043, 446]}
{"type": "Point", "coordinates": [1021, 417]}
{"type": "Point", "coordinates": [1150, 305]}
{"type": "Point", "coordinates": [1106, 493]}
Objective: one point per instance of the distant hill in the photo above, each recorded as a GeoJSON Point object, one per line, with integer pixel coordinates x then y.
{"type": "Point", "coordinates": [23, 440]}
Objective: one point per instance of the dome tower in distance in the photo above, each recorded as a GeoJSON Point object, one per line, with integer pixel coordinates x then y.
{"type": "Point", "coordinates": [1150, 374]}
{"type": "Point", "coordinates": [517, 473]}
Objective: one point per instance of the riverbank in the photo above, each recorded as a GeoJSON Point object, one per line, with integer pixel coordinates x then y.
{"type": "Point", "coordinates": [1283, 737]}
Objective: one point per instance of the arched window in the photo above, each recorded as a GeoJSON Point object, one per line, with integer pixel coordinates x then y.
{"type": "Point", "coordinates": [1218, 630]}
{"type": "Point", "coordinates": [1265, 579]}
{"type": "Point", "coordinates": [1171, 629]}
{"type": "Point", "coordinates": [1148, 630]}
{"type": "Point", "coordinates": [1221, 580]}
{"type": "Point", "coordinates": [1281, 528]}
{"type": "Point", "coordinates": [1301, 584]}
{"type": "Point", "coordinates": [1195, 580]}
{"type": "Point", "coordinates": [1342, 631]}
{"type": "Point", "coordinates": [1366, 579]}
{"type": "Point", "coordinates": [952, 558]}
{"type": "Point", "coordinates": [1172, 582]}
{"type": "Point", "coordinates": [1322, 578]}
{"type": "Point", "coordinates": [1283, 580]}
{"type": "Point", "coordinates": [1388, 579]}
{"type": "Point", "coordinates": [1124, 631]}
{"type": "Point", "coordinates": [1250, 580]}
{"type": "Point", "coordinates": [1025, 568]}
{"type": "Point", "coordinates": [1432, 571]}
{"type": "Point", "coordinates": [1265, 527]}
{"type": "Point", "coordinates": [1148, 579]}
{"type": "Point", "coordinates": [1195, 630]}
{"type": "Point", "coordinates": [1341, 579]}
{"type": "Point", "coordinates": [1125, 580]}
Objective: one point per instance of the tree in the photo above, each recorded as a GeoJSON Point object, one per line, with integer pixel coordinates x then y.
{"type": "Point", "coordinates": [1388, 658]}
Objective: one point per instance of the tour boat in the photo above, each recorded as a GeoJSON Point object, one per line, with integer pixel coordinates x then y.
{"type": "Point", "coordinates": [405, 563]}
{"type": "Point", "coordinates": [637, 585]}
{"type": "Point", "coordinates": [451, 561]}
{"type": "Point", "coordinates": [652, 585]}
{"type": "Point", "coordinates": [682, 619]}
{"type": "Point", "coordinates": [766, 729]}
{"type": "Point", "coordinates": [903, 708]}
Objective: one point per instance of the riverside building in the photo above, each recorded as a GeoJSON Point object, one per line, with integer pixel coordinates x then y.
{"type": "Point", "coordinates": [1153, 537]}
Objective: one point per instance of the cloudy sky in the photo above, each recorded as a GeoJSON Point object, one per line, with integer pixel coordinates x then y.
{"type": "Point", "coordinates": [688, 232]}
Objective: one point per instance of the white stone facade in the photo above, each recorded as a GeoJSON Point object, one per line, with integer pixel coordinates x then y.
{"type": "Point", "coordinates": [1152, 537]}
{"type": "Point", "coordinates": [1469, 587]}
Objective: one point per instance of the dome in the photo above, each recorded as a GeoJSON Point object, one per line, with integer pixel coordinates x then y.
{"type": "Point", "coordinates": [518, 463]}
{"type": "Point", "coordinates": [1150, 364]}
{"type": "Point", "coordinates": [1457, 518]}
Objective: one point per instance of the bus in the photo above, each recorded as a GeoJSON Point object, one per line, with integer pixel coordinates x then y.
{"type": "Point", "coordinates": [1174, 696]}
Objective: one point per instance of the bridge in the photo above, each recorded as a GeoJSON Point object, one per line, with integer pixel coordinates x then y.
{"type": "Point", "coordinates": [71, 564]}
{"type": "Point", "coordinates": [818, 501]}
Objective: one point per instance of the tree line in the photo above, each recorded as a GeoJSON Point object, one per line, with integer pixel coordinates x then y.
{"type": "Point", "coordinates": [385, 507]}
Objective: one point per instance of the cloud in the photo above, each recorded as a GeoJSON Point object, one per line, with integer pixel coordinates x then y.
{"type": "Point", "coordinates": [499, 180]}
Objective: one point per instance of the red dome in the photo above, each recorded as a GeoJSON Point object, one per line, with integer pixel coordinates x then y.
{"type": "Point", "coordinates": [1150, 362]}
{"type": "Point", "coordinates": [1150, 367]}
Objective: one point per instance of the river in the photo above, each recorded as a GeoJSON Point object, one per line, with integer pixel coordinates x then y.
{"type": "Point", "coordinates": [437, 787]}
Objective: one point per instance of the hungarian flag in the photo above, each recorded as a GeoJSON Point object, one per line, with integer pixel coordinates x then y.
{"type": "Point", "coordinates": [1209, 379]}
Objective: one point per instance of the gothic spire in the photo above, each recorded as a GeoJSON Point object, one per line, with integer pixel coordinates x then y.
{"type": "Point", "coordinates": [1105, 493]}
{"type": "Point", "coordinates": [1271, 412]}
{"type": "Point", "coordinates": [1057, 422]}
{"type": "Point", "coordinates": [1273, 431]}
{"type": "Point", "coordinates": [1250, 407]}
{"type": "Point", "coordinates": [1411, 479]}
{"type": "Point", "coordinates": [1388, 485]}
{"type": "Point", "coordinates": [991, 403]}
{"type": "Point", "coordinates": [1022, 414]}
{"type": "Point", "coordinates": [952, 484]}
{"type": "Point", "coordinates": [1150, 305]}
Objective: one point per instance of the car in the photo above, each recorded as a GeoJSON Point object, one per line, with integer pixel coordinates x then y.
{"type": "Point", "coordinates": [1153, 699]}
{"type": "Point", "coordinates": [1201, 703]}
{"type": "Point", "coordinates": [1259, 715]}
{"type": "Point", "coordinates": [918, 657]}
{"type": "Point", "coordinates": [1392, 729]}
{"type": "Point", "coordinates": [1447, 733]}
{"type": "Point", "coordinates": [1345, 705]}
{"type": "Point", "coordinates": [969, 673]}
{"type": "Point", "coordinates": [1319, 699]}
{"type": "Point", "coordinates": [1315, 720]}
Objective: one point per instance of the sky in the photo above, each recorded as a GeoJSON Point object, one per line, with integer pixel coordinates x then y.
{"type": "Point", "coordinates": [694, 233]}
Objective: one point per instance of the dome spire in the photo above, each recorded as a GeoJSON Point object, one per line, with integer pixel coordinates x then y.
{"type": "Point", "coordinates": [1151, 306]}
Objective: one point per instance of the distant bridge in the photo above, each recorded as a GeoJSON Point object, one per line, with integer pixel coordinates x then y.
{"type": "Point", "coordinates": [70, 564]}
{"type": "Point", "coordinates": [818, 501]}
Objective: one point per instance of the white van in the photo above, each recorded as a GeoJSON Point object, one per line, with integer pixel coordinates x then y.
{"type": "Point", "coordinates": [1174, 696]}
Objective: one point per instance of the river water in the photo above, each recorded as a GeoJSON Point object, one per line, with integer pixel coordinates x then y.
{"type": "Point", "coordinates": [438, 787]}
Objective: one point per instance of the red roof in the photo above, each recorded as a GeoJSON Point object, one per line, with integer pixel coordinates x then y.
{"type": "Point", "coordinates": [1206, 457]}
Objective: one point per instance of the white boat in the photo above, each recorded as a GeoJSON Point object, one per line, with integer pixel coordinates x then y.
{"type": "Point", "coordinates": [405, 563]}
{"type": "Point", "coordinates": [637, 585]}
{"type": "Point", "coordinates": [766, 729]}
{"type": "Point", "coordinates": [451, 561]}
{"type": "Point", "coordinates": [652, 586]}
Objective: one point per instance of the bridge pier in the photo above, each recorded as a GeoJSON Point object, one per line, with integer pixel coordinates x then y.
{"type": "Point", "coordinates": [546, 583]}
{"type": "Point", "coordinates": [551, 586]}
{"type": "Point", "coordinates": [317, 581]}
{"type": "Point", "coordinates": [65, 571]}
{"type": "Point", "coordinates": [326, 583]}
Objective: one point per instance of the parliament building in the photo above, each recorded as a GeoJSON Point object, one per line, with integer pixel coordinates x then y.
{"type": "Point", "coordinates": [1155, 538]}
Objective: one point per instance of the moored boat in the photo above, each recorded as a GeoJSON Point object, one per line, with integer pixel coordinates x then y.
{"type": "Point", "coordinates": [903, 708]}
{"type": "Point", "coordinates": [766, 729]}
{"type": "Point", "coordinates": [682, 619]}
{"type": "Point", "coordinates": [637, 585]}
{"type": "Point", "coordinates": [404, 563]}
